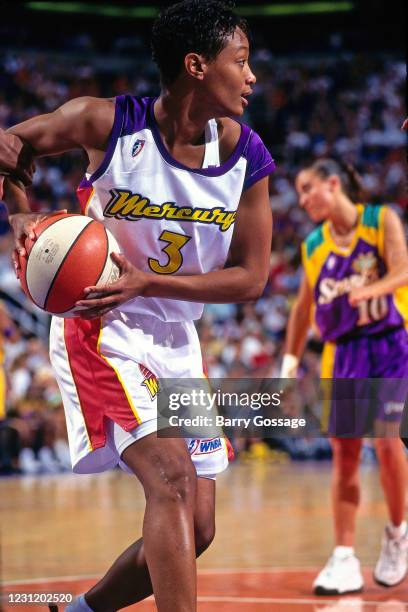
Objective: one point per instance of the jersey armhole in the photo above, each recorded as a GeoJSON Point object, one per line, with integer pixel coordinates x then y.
{"type": "Point", "coordinates": [113, 139]}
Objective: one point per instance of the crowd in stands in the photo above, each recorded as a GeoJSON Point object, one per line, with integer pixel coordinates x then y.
{"type": "Point", "coordinates": [303, 107]}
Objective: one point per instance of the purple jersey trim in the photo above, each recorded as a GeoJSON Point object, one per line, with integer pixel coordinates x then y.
{"type": "Point", "coordinates": [84, 183]}
{"type": "Point", "coordinates": [260, 162]}
{"type": "Point", "coordinates": [120, 107]}
{"type": "Point", "coordinates": [217, 171]}
{"type": "Point", "coordinates": [135, 114]}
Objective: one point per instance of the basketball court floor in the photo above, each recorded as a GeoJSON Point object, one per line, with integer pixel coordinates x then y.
{"type": "Point", "coordinates": [60, 533]}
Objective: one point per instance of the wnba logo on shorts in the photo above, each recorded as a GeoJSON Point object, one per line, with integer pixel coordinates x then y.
{"type": "Point", "coordinates": [150, 381]}
{"type": "Point", "coordinates": [204, 447]}
{"type": "Point", "coordinates": [137, 147]}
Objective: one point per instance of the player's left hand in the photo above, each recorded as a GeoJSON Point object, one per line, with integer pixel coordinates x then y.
{"type": "Point", "coordinates": [131, 283]}
{"type": "Point", "coordinates": [359, 294]}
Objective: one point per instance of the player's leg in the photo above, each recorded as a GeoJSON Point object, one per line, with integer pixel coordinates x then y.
{"type": "Point", "coordinates": [394, 474]}
{"type": "Point", "coordinates": [342, 572]}
{"type": "Point", "coordinates": [404, 424]}
{"type": "Point", "coordinates": [167, 474]}
{"type": "Point", "coordinates": [128, 580]}
{"type": "Point", "coordinates": [392, 566]}
{"type": "Point", "coordinates": [345, 488]}
{"type": "Point", "coordinates": [392, 370]}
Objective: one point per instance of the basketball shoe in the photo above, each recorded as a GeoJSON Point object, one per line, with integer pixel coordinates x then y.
{"type": "Point", "coordinates": [340, 575]}
{"type": "Point", "coordinates": [392, 565]}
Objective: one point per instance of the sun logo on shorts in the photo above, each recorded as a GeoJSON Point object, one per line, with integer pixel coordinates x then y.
{"type": "Point", "coordinates": [150, 381]}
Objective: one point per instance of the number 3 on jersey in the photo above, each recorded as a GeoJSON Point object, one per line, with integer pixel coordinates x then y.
{"type": "Point", "coordinates": [175, 242]}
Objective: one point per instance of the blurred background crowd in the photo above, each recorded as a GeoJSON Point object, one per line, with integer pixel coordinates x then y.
{"type": "Point", "coordinates": [341, 102]}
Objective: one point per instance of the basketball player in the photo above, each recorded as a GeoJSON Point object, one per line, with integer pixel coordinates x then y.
{"type": "Point", "coordinates": [184, 188]}
{"type": "Point", "coordinates": [404, 421]}
{"type": "Point", "coordinates": [365, 337]}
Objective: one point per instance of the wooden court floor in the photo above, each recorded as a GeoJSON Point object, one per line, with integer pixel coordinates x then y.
{"type": "Point", "coordinates": [274, 532]}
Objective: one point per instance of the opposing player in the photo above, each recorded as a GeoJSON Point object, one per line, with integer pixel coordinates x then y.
{"type": "Point", "coordinates": [404, 421]}
{"type": "Point", "coordinates": [353, 264]}
{"type": "Point", "coordinates": [184, 189]}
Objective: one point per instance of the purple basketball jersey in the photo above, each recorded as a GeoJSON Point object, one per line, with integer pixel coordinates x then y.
{"type": "Point", "coordinates": [333, 272]}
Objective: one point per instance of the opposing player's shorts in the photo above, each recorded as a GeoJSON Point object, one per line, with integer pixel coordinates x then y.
{"type": "Point", "coordinates": [370, 381]}
{"type": "Point", "coordinates": [108, 371]}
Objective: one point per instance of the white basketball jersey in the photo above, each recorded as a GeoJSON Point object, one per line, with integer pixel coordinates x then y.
{"type": "Point", "coordinates": [168, 218]}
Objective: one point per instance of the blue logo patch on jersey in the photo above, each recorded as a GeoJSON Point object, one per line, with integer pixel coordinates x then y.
{"type": "Point", "coordinates": [137, 147]}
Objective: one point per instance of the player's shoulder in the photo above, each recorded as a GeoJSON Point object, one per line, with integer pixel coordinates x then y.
{"type": "Point", "coordinates": [230, 132]}
{"type": "Point", "coordinates": [373, 214]}
{"type": "Point", "coordinates": [90, 106]}
{"type": "Point", "coordinates": [236, 137]}
{"type": "Point", "coordinates": [313, 240]}
{"type": "Point", "coordinates": [89, 119]}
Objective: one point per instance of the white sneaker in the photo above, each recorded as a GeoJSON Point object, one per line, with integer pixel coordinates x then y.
{"type": "Point", "coordinates": [28, 463]}
{"type": "Point", "coordinates": [392, 565]}
{"type": "Point", "coordinates": [48, 462]}
{"type": "Point", "coordinates": [340, 575]}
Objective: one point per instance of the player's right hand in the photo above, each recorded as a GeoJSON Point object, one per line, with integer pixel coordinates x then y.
{"type": "Point", "coordinates": [23, 226]}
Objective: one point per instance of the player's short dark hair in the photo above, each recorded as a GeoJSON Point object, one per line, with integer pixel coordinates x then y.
{"type": "Point", "coordinates": [351, 181]}
{"type": "Point", "coordinates": [192, 26]}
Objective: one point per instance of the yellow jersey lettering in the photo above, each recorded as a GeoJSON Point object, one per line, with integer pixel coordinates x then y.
{"type": "Point", "coordinates": [133, 206]}
{"type": "Point", "coordinates": [153, 211]}
{"type": "Point", "coordinates": [124, 203]}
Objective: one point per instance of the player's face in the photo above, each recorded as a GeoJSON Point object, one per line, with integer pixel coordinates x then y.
{"type": "Point", "coordinates": [229, 79]}
{"type": "Point", "coordinates": [315, 195]}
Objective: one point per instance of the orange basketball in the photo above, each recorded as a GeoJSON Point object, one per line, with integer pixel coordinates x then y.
{"type": "Point", "coordinates": [70, 252]}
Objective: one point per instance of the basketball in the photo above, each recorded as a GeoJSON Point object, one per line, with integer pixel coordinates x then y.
{"type": "Point", "coordinates": [70, 252]}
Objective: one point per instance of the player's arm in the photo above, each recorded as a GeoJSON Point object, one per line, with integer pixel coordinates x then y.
{"type": "Point", "coordinates": [297, 329]}
{"type": "Point", "coordinates": [243, 281]}
{"type": "Point", "coordinates": [15, 158]}
{"type": "Point", "coordinates": [80, 123]}
{"type": "Point", "coordinates": [396, 259]}
{"type": "Point", "coordinates": [21, 219]}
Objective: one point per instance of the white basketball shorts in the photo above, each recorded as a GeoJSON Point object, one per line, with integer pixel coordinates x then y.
{"type": "Point", "coordinates": [107, 371]}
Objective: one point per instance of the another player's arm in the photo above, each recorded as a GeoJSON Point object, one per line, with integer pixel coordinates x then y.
{"type": "Point", "coordinates": [243, 281]}
{"type": "Point", "coordinates": [297, 329]}
{"type": "Point", "coordinates": [80, 123]}
{"type": "Point", "coordinates": [16, 159]}
{"type": "Point", "coordinates": [396, 259]}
